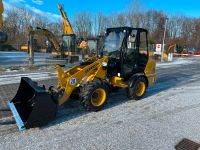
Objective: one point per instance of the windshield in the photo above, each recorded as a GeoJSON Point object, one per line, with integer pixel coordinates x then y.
{"type": "Point", "coordinates": [67, 40]}
{"type": "Point", "coordinates": [92, 45]}
{"type": "Point", "coordinates": [113, 42]}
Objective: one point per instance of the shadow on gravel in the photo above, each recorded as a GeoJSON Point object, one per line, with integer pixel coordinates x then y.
{"type": "Point", "coordinates": [7, 119]}
{"type": "Point", "coordinates": [73, 109]}
{"type": "Point", "coordinates": [7, 122]}
{"type": "Point", "coordinates": [174, 78]}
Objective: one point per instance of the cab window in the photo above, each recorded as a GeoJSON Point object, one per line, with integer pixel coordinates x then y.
{"type": "Point", "coordinates": [143, 43]}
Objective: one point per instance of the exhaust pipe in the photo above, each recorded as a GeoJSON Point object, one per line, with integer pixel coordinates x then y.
{"type": "Point", "coordinates": [32, 106]}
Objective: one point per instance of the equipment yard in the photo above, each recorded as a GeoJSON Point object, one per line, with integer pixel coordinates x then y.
{"type": "Point", "coordinates": [88, 76]}
{"type": "Point", "coordinates": [168, 113]}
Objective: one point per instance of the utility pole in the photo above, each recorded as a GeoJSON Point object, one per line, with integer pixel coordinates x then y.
{"type": "Point", "coordinates": [163, 44]}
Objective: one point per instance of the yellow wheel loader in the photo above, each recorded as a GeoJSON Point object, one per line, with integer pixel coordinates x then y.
{"type": "Point", "coordinates": [124, 62]}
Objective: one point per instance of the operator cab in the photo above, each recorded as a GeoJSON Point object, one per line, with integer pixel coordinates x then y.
{"type": "Point", "coordinates": [127, 50]}
{"type": "Point", "coordinates": [68, 42]}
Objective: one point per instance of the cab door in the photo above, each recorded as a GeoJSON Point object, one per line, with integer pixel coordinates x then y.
{"type": "Point", "coordinates": [143, 50]}
{"type": "Point", "coordinates": [130, 55]}
{"type": "Point", "coordinates": [146, 63]}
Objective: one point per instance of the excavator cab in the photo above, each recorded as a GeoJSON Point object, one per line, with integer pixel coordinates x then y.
{"type": "Point", "coordinates": [69, 48]}
{"type": "Point", "coordinates": [95, 45]}
{"type": "Point", "coordinates": [68, 44]}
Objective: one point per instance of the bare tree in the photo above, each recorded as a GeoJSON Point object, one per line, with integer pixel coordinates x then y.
{"type": "Point", "coordinates": [180, 30]}
{"type": "Point", "coordinates": [83, 24]}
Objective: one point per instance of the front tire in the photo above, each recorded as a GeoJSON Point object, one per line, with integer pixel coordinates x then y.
{"type": "Point", "coordinates": [138, 88]}
{"type": "Point", "coordinates": [94, 95]}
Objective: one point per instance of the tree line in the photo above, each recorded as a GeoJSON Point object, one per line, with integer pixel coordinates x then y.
{"type": "Point", "coordinates": [181, 30]}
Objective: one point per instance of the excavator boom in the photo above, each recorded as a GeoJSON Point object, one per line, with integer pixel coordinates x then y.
{"type": "Point", "coordinates": [48, 34]}
{"type": "Point", "coordinates": [67, 28]}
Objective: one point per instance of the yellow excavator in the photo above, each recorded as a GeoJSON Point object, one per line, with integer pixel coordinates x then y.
{"type": "Point", "coordinates": [42, 32]}
{"type": "Point", "coordinates": [124, 62]}
{"type": "Point", "coordinates": [69, 37]}
{"type": "Point", "coordinates": [68, 46]}
{"type": "Point", "coordinates": [87, 46]}
{"type": "Point", "coordinates": [45, 32]}
{"type": "Point", "coordinates": [67, 28]}
{"type": "Point", "coordinates": [64, 49]}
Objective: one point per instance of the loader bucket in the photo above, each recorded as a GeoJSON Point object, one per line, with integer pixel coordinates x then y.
{"type": "Point", "coordinates": [32, 106]}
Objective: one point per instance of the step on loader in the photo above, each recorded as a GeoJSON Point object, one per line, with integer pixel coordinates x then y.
{"type": "Point", "coordinates": [123, 63]}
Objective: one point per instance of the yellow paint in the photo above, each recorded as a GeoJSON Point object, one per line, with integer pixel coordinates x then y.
{"type": "Point", "coordinates": [165, 56]}
{"type": "Point", "coordinates": [98, 97]}
{"type": "Point", "coordinates": [151, 54]}
{"type": "Point", "coordinates": [150, 71]}
{"type": "Point", "coordinates": [67, 28]}
{"type": "Point", "coordinates": [24, 47]}
{"type": "Point", "coordinates": [140, 89]}
{"type": "Point", "coordinates": [48, 34]}
{"type": "Point", "coordinates": [83, 45]}
{"type": "Point", "coordinates": [69, 80]}
{"type": "Point", "coordinates": [170, 47]}
{"type": "Point", "coordinates": [118, 82]}
{"type": "Point", "coordinates": [80, 73]}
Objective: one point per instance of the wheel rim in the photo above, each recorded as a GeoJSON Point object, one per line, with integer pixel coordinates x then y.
{"type": "Point", "coordinates": [98, 97]}
{"type": "Point", "coordinates": [140, 89]}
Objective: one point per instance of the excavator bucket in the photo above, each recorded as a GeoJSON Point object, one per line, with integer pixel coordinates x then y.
{"type": "Point", "coordinates": [32, 106]}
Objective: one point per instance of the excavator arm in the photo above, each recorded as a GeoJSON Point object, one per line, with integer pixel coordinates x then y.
{"type": "Point", "coordinates": [48, 34]}
{"type": "Point", "coordinates": [171, 48]}
{"type": "Point", "coordinates": [67, 28]}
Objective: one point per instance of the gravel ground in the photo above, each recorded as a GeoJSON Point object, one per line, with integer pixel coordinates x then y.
{"type": "Point", "coordinates": [169, 112]}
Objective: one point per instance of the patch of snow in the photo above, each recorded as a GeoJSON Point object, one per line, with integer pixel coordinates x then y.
{"type": "Point", "coordinates": [180, 61]}
{"type": "Point", "coordinates": [15, 78]}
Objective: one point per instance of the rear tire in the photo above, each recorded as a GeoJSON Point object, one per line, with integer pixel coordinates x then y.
{"type": "Point", "coordinates": [94, 95]}
{"type": "Point", "coordinates": [138, 89]}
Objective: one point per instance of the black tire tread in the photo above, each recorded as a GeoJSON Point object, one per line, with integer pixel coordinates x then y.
{"type": "Point", "coordinates": [85, 94]}
{"type": "Point", "coordinates": [133, 95]}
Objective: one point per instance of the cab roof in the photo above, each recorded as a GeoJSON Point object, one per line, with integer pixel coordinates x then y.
{"type": "Point", "coordinates": [126, 28]}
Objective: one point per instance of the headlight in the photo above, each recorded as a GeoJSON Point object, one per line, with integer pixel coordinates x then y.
{"type": "Point", "coordinates": [104, 64]}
